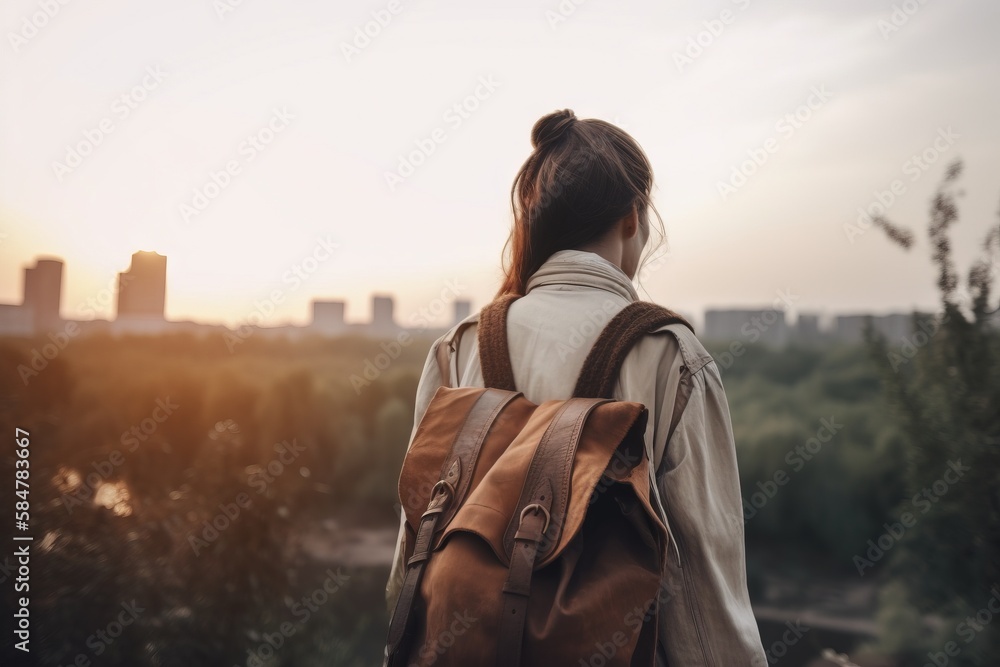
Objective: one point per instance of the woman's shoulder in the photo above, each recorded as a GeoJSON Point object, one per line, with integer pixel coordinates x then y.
{"type": "Point", "coordinates": [460, 332]}
{"type": "Point", "coordinates": [693, 353]}
{"type": "Point", "coordinates": [674, 343]}
{"type": "Point", "coordinates": [459, 338]}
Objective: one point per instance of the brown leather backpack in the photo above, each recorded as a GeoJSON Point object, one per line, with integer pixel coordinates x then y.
{"type": "Point", "coordinates": [530, 536]}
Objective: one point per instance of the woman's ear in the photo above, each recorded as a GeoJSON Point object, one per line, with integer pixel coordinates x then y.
{"type": "Point", "coordinates": [630, 224]}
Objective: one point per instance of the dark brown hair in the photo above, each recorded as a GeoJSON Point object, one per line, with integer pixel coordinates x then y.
{"type": "Point", "coordinates": [582, 177]}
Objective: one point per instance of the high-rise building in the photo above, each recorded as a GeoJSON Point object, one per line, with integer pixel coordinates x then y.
{"type": "Point", "coordinates": [43, 292]}
{"type": "Point", "coordinates": [142, 290]}
{"type": "Point", "coordinates": [463, 308]}
{"type": "Point", "coordinates": [328, 316]}
{"type": "Point", "coordinates": [16, 320]}
{"type": "Point", "coordinates": [766, 326]}
{"type": "Point", "coordinates": [895, 327]}
{"type": "Point", "coordinates": [382, 319]}
{"type": "Point", "coordinates": [807, 328]}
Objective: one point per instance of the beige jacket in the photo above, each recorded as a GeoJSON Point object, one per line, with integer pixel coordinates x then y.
{"type": "Point", "coordinates": [705, 614]}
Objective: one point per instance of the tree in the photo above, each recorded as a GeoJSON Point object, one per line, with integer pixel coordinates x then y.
{"type": "Point", "coordinates": [944, 384]}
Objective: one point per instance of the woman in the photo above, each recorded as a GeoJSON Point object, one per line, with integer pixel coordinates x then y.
{"type": "Point", "coordinates": [581, 206]}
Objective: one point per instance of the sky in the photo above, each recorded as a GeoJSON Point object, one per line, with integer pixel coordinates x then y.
{"type": "Point", "coordinates": [288, 151]}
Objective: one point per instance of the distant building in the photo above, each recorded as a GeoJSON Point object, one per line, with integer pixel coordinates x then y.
{"type": "Point", "coordinates": [142, 290]}
{"type": "Point", "coordinates": [16, 320]}
{"type": "Point", "coordinates": [807, 328]}
{"type": "Point", "coordinates": [42, 294]}
{"type": "Point", "coordinates": [463, 308]}
{"type": "Point", "coordinates": [328, 316]}
{"type": "Point", "coordinates": [851, 328]}
{"type": "Point", "coordinates": [382, 314]}
{"type": "Point", "coordinates": [749, 326]}
{"type": "Point", "coordinates": [895, 327]}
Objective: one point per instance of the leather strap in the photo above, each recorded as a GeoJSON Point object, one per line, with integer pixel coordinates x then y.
{"type": "Point", "coordinates": [469, 442]}
{"type": "Point", "coordinates": [548, 478]}
{"type": "Point", "coordinates": [604, 362]}
{"type": "Point", "coordinates": [494, 354]}
{"type": "Point", "coordinates": [517, 588]}
{"type": "Point", "coordinates": [538, 519]}
{"type": "Point", "coordinates": [448, 494]}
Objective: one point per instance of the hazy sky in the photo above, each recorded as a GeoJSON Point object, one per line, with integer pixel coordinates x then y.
{"type": "Point", "coordinates": [115, 115]}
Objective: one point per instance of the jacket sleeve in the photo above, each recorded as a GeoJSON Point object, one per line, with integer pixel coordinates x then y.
{"type": "Point", "coordinates": [705, 614]}
{"type": "Point", "coordinates": [430, 380]}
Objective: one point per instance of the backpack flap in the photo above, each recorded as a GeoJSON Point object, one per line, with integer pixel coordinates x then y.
{"type": "Point", "coordinates": [598, 549]}
{"type": "Point", "coordinates": [494, 506]}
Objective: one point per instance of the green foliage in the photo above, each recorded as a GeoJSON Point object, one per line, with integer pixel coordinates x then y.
{"type": "Point", "coordinates": [181, 429]}
{"type": "Point", "coordinates": [944, 384]}
{"type": "Point", "coordinates": [237, 413]}
{"type": "Point", "coordinates": [832, 500]}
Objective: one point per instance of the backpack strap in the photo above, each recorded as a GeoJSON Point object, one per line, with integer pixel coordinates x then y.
{"type": "Point", "coordinates": [447, 495]}
{"type": "Point", "coordinates": [494, 355]}
{"type": "Point", "coordinates": [604, 362]}
{"type": "Point", "coordinates": [540, 513]}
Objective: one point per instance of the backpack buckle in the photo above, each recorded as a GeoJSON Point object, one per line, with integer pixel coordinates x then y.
{"type": "Point", "coordinates": [441, 494]}
{"type": "Point", "coordinates": [534, 508]}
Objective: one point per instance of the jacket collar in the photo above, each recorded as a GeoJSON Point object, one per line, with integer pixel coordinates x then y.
{"type": "Point", "coordinates": [578, 268]}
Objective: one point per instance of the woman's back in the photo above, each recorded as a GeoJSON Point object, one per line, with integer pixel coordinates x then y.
{"type": "Point", "coordinates": [581, 205]}
{"type": "Point", "coordinates": [552, 328]}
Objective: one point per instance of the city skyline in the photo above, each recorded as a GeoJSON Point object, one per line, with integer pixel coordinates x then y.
{"type": "Point", "coordinates": [142, 289]}
{"type": "Point", "coordinates": [237, 144]}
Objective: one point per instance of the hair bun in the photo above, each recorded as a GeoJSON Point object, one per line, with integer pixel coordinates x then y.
{"type": "Point", "coordinates": [552, 128]}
